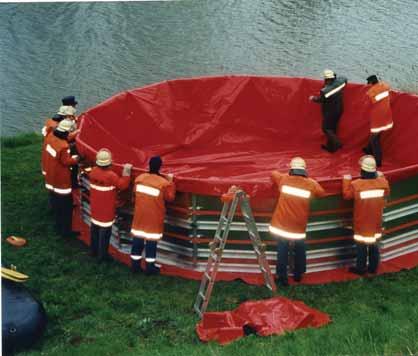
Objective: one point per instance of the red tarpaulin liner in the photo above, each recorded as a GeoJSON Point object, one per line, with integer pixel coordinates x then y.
{"type": "Point", "coordinates": [266, 317]}
{"type": "Point", "coordinates": [216, 131]}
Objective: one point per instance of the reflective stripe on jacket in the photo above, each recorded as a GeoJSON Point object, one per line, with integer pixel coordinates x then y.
{"type": "Point", "coordinates": [104, 184]}
{"type": "Point", "coordinates": [331, 98]}
{"type": "Point", "coordinates": [291, 214]}
{"type": "Point", "coordinates": [57, 165]}
{"type": "Point", "coordinates": [151, 191]}
{"type": "Point", "coordinates": [369, 201]}
{"type": "Point", "coordinates": [380, 111]}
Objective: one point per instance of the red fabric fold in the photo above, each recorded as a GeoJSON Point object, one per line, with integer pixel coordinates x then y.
{"type": "Point", "coordinates": [266, 317]}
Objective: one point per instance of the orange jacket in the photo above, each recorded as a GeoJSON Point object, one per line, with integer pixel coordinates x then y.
{"type": "Point", "coordinates": [380, 111]}
{"type": "Point", "coordinates": [151, 190]}
{"type": "Point", "coordinates": [103, 186]}
{"type": "Point", "coordinates": [50, 126]}
{"type": "Point", "coordinates": [57, 165]}
{"type": "Point", "coordinates": [292, 210]}
{"type": "Point", "coordinates": [369, 201]}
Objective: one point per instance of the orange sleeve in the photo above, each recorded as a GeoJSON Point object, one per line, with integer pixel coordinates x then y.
{"type": "Point", "coordinates": [121, 183]}
{"type": "Point", "coordinates": [276, 177]}
{"type": "Point", "coordinates": [170, 191]}
{"type": "Point", "coordinates": [319, 191]}
{"type": "Point", "coordinates": [387, 188]}
{"type": "Point", "coordinates": [66, 159]}
{"type": "Point", "coordinates": [134, 190]}
{"type": "Point", "coordinates": [348, 192]}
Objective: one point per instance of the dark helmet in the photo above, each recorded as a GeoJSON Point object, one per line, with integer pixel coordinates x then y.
{"type": "Point", "coordinates": [372, 79]}
{"type": "Point", "coordinates": [69, 101]}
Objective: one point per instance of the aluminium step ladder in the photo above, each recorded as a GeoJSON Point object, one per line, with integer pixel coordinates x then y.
{"type": "Point", "coordinates": [232, 199]}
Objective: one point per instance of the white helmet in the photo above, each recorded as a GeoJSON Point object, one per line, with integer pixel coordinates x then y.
{"type": "Point", "coordinates": [328, 74]}
{"type": "Point", "coordinates": [368, 163]}
{"type": "Point", "coordinates": [67, 110]}
{"type": "Point", "coordinates": [104, 158]}
{"type": "Point", "coordinates": [65, 125]}
{"type": "Point", "coordinates": [297, 163]}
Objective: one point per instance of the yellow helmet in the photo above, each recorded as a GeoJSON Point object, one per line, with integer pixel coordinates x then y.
{"type": "Point", "coordinates": [65, 125]}
{"type": "Point", "coordinates": [297, 163]}
{"type": "Point", "coordinates": [104, 158]}
{"type": "Point", "coordinates": [368, 163]}
{"type": "Point", "coordinates": [328, 74]}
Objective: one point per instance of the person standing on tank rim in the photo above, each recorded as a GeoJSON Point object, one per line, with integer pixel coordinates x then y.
{"type": "Point", "coordinates": [331, 99]}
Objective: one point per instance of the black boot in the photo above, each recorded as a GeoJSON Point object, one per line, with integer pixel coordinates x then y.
{"type": "Point", "coordinates": [367, 150]}
{"type": "Point", "coordinates": [152, 269]}
{"type": "Point", "coordinates": [94, 240]}
{"type": "Point", "coordinates": [357, 271]}
{"type": "Point", "coordinates": [103, 247]}
{"type": "Point", "coordinates": [136, 266]}
{"type": "Point", "coordinates": [282, 281]}
{"type": "Point", "coordinates": [94, 243]}
{"type": "Point", "coordinates": [328, 148]}
{"type": "Point", "coordinates": [297, 277]}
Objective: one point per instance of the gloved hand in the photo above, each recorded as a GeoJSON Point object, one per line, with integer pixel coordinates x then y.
{"type": "Point", "coordinates": [380, 174]}
{"type": "Point", "coordinates": [127, 167]}
{"type": "Point", "coordinates": [170, 177]}
{"type": "Point", "coordinates": [347, 176]}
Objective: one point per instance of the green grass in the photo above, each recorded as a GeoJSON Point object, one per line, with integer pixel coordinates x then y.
{"type": "Point", "coordinates": [101, 309]}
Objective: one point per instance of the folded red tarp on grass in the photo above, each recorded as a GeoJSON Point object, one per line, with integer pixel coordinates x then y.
{"type": "Point", "coordinates": [213, 132]}
{"type": "Point", "coordinates": [266, 317]}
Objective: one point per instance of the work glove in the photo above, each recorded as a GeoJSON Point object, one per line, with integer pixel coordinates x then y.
{"type": "Point", "coordinates": [170, 177]}
{"type": "Point", "coordinates": [347, 176]}
{"type": "Point", "coordinates": [127, 167]}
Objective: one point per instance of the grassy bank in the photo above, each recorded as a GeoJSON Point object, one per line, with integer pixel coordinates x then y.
{"type": "Point", "coordinates": [101, 309]}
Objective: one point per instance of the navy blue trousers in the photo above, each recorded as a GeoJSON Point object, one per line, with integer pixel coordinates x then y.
{"type": "Point", "coordinates": [283, 257]}
{"type": "Point", "coordinates": [138, 245]}
{"type": "Point", "coordinates": [370, 250]}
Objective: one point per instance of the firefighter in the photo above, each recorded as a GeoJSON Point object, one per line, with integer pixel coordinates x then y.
{"type": "Point", "coordinates": [369, 194]}
{"type": "Point", "coordinates": [290, 216]}
{"type": "Point", "coordinates": [58, 176]}
{"type": "Point", "coordinates": [151, 190]}
{"type": "Point", "coordinates": [64, 112]}
{"type": "Point", "coordinates": [331, 100]}
{"type": "Point", "coordinates": [380, 116]}
{"type": "Point", "coordinates": [104, 184]}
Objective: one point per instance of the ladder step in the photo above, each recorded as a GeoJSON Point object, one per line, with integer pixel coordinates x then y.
{"type": "Point", "coordinates": [207, 276]}
{"type": "Point", "coordinates": [202, 296]}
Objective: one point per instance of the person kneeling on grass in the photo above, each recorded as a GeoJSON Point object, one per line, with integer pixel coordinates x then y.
{"type": "Point", "coordinates": [290, 217]}
{"type": "Point", "coordinates": [151, 191]}
{"type": "Point", "coordinates": [369, 194]}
